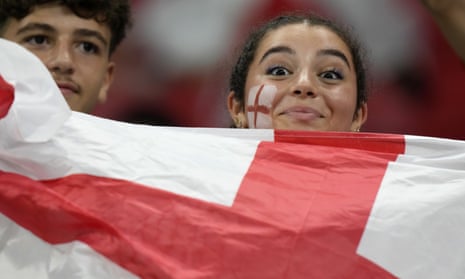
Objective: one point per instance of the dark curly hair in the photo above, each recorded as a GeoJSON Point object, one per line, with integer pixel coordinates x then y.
{"type": "Point", "coordinates": [116, 14]}
{"type": "Point", "coordinates": [241, 68]}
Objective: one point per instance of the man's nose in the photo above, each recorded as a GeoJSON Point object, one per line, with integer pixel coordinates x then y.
{"type": "Point", "coordinates": [60, 59]}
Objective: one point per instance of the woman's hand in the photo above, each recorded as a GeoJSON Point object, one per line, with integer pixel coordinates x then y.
{"type": "Point", "coordinates": [450, 17]}
{"type": "Point", "coordinates": [441, 6]}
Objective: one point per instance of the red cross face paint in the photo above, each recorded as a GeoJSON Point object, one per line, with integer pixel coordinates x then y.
{"type": "Point", "coordinates": [259, 105]}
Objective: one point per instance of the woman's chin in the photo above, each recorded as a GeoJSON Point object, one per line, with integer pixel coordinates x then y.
{"type": "Point", "coordinates": [299, 126]}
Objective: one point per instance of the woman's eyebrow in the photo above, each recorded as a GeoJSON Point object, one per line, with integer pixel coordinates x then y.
{"type": "Point", "coordinates": [334, 52]}
{"type": "Point", "coordinates": [275, 50]}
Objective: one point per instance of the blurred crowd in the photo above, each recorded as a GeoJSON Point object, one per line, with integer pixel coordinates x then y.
{"type": "Point", "coordinates": [174, 66]}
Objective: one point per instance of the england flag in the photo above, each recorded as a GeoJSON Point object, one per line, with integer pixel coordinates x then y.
{"type": "Point", "coordinates": [87, 197]}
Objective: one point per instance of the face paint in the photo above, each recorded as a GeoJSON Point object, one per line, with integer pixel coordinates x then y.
{"type": "Point", "coordinates": [259, 106]}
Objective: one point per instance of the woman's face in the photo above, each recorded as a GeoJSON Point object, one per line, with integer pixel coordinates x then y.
{"type": "Point", "coordinates": [302, 78]}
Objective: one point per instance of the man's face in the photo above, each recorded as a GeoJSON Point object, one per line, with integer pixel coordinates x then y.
{"type": "Point", "coordinates": [75, 51]}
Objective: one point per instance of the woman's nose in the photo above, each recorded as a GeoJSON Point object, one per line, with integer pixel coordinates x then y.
{"type": "Point", "coordinates": [304, 85]}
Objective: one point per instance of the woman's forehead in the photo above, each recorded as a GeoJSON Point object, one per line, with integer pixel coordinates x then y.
{"type": "Point", "coordinates": [302, 37]}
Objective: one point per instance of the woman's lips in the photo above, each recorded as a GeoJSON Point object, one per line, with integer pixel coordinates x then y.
{"type": "Point", "coordinates": [302, 113]}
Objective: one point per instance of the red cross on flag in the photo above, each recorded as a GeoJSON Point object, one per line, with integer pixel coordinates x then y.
{"type": "Point", "coordinates": [86, 197]}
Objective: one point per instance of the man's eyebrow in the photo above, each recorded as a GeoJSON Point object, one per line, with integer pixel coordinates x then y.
{"type": "Point", "coordinates": [334, 52]}
{"type": "Point", "coordinates": [47, 28]}
{"type": "Point", "coordinates": [91, 33]}
{"type": "Point", "coordinates": [35, 26]}
{"type": "Point", "coordinates": [277, 49]}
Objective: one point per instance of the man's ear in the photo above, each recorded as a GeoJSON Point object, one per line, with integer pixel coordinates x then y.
{"type": "Point", "coordinates": [236, 110]}
{"type": "Point", "coordinates": [102, 95]}
{"type": "Point", "coordinates": [360, 117]}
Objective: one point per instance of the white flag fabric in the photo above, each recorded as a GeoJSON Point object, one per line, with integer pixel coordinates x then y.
{"type": "Point", "coordinates": [86, 197]}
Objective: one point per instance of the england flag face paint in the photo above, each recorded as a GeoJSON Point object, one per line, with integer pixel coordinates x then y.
{"type": "Point", "coordinates": [259, 104]}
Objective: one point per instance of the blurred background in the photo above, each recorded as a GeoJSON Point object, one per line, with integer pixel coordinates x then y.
{"type": "Point", "coordinates": [173, 67]}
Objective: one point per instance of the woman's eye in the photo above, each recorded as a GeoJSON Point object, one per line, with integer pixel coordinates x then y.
{"type": "Point", "coordinates": [278, 71]}
{"type": "Point", "coordinates": [331, 75]}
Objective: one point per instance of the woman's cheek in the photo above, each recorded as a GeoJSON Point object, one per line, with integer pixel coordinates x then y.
{"type": "Point", "coordinates": [259, 106]}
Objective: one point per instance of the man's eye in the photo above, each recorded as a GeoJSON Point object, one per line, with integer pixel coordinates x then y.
{"type": "Point", "coordinates": [89, 47]}
{"type": "Point", "coordinates": [36, 40]}
{"type": "Point", "coordinates": [331, 75]}
{"type": "Point", "coordinates": [278, 71]}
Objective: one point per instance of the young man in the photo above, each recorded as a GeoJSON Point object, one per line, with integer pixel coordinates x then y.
{"type": "Point", "coordinates": [74, 39]}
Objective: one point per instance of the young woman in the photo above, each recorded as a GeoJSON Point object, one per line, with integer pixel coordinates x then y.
{"type": "Point", "coordinates": [300, 72]}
